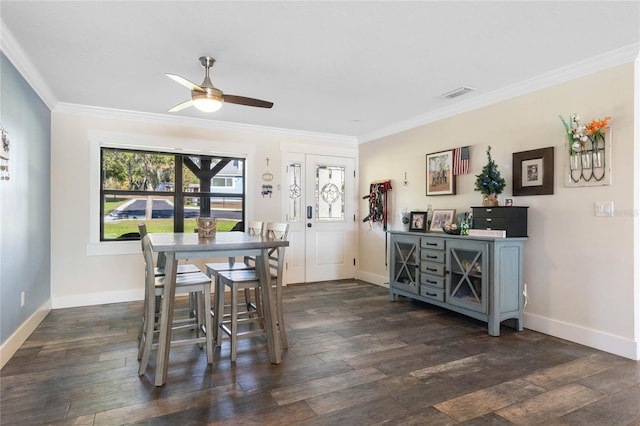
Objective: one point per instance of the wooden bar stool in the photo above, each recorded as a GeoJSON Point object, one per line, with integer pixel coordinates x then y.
{"type": "Point", "coordinates": [190, 283]}
{"type": "Point", "coordinates": [214, 269]}
{"type": "Point", "coordinates": [247, 280]}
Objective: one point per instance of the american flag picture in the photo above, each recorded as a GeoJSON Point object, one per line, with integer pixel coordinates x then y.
{"type": "Point", "coordinates": [461, 161]}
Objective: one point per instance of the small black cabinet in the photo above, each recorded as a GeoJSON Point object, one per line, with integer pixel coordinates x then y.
{"type": "Point", "coordinates": [511, 219]}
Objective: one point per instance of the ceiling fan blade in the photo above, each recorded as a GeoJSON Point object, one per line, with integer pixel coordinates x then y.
{"type": "Point", "coordinates": [241, 100]}
{"type": "Point", "coordinates": [185, 82]}
{"type": "Point", "coordinates": [181, 106]}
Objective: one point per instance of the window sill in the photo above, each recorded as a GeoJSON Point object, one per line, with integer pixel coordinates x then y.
{"type": "Point", "coordinates": [113, 248]}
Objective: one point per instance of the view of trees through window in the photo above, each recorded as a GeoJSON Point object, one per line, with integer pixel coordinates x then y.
{"type": "Point", "coordinates": [168, 192]}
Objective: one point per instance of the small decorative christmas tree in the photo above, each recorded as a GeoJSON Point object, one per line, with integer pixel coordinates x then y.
{"type": "Point", "coordinates": [489, 182]}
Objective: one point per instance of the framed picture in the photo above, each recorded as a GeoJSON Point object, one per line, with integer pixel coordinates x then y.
{"type": "Point", "coordinates": [418, 221]}
{"type": "Point", "coordinates": [440, 217]}
{"type": "Point", "coordinates": [440, 179]}
{"type": "Point", "coordinates": [533, 172]}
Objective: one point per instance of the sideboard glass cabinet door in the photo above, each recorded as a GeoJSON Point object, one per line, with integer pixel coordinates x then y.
{"type": "Point", "coordinates": [405, 263]}
{"type": "Point", "coordinates": [466, 284]}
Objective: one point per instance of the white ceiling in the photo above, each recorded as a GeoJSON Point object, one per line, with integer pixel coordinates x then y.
{"type": "Point", "coordinates": [354, 69]}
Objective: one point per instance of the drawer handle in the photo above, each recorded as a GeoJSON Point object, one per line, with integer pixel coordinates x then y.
{"type": "Point", "coordinates": [432, 244]}
{"type": "Point", "coordinates": [431, 282]}
{"type": "Point", "coordinates": [431, 269]}
{"type": "Point", "coordinates": [488, 219]}
{"type": "Point", "coordinates": [488, 210]}
{"type": "Point", "coordinates": [432, 257]}
{"type": "Point", "coordinates": [430, 294]}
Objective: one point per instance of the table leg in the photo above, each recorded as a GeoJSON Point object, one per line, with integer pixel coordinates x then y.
{"type": "Point", "coordinates": [269, 312]}
{"type": "Point", "coordinates": [166, 319]}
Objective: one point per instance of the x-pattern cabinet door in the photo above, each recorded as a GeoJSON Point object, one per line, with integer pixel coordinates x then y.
{"type": "Point", "coordinates": [468, 268]}
{"type": "Point", "coordinates": [405, 265]}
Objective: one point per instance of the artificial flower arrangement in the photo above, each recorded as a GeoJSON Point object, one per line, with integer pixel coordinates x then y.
{"type": "Point", "coordinates": [578, 134]}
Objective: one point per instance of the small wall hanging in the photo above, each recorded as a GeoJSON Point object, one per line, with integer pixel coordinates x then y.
{"type": "Point", "coordinates": [378, 202]}
{"type": "Point", "coordinates": [267, 190]}
{"type": "Point", "coordinates": [587, 150]}
{"type": "Point", "coordinates": [4, 156]}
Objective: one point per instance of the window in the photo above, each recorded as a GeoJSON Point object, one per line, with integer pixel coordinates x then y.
{"type": "Point", "coordinates": [222, 182]}
{"type": "Point", "coordinates": [167, 191]}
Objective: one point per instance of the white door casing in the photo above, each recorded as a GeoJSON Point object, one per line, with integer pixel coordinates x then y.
{"type": "Point", "coordinates": [321, 213]}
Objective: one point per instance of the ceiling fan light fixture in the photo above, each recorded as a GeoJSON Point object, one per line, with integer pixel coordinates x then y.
{"type": "Point", "coordinates": [206, 97]}
{"type": "Point", "coordinates": [205, 102]}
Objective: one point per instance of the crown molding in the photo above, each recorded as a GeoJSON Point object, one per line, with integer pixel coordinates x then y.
{"type": "Point", "coordinates": [592, 65]}
{"type": "Point", "coordinates": [14, 52]}
{"type": "Point", "coordinates": [155, 118]}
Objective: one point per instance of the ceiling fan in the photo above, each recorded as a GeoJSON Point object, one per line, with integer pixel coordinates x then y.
{"type": "Point", "coordinates": [208, 98]}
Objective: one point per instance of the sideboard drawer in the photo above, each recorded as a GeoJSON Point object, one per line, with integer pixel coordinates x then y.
{"type": "Point", "coordinates": [432, 255]}
{"type": "Point", "coordinates": [431, 280]}
{"type": "Point", "coordinates": [432, 243]}
{"type": "Point", "coordinates": [432, 293]}
{"type": "Point", "coordinates": [432, 268]}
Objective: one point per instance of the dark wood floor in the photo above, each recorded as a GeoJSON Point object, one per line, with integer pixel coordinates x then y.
{"type": "Point", "coordinates": [354, 359]}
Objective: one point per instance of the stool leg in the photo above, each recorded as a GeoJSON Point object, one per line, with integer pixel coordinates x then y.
{"type": "Point", "coordinates": [283, 334]}
{"type": "Point", "coordinates": [199, 312]}
{"type": "Point", "coordinates": [147, 337]}
{"type": "Point", "coordinates": [208, 323]}
{"type": "Point", "coordinates": [219, 313]}
{"type": "Point", "coordinates": [234, 320]}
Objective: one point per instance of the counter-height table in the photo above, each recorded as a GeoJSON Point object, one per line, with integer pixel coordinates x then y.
{"type": "Point", "coordinates": [178, 246]}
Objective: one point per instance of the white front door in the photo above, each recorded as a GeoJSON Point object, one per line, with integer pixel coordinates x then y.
{"type": "Point", "coordinates": [321, 213]}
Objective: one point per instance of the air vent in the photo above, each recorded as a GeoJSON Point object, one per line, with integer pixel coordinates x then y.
{"type": "Point", "coordinates": [457, 92]}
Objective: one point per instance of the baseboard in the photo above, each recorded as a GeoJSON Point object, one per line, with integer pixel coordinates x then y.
{"type": "Point", "coordinates": [585, 336]}
{"type": "Point", "coordinates": [13, 343]}
{"type": "Point", "coordinates": [97, 298]}
{"type": "Point", "coordinates": [381, 280]}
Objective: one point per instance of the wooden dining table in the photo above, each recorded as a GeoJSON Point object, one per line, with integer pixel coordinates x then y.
{"type": "Point", "coordinates": [180, 246]}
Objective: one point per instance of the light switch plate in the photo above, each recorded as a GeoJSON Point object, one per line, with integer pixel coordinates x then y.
{"type": "Point", "coordinates": [604, 208]}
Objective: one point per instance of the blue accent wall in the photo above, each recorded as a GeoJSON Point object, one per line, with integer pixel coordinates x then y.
{"type": "Point", "coordinates": [25, 202]}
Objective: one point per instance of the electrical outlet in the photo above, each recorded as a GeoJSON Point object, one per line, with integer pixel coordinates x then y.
{"type": "Point", "coordinates": [604, 208]}
{"type": "Point", "coordinates": [22, 299]}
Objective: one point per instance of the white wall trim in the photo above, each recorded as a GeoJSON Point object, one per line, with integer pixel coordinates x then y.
{"type": "Point", "coordinates": [636, 202]}
{"type": "Point", "coordinates": [25, 67]}
{"type": "Point", "coordinates": [102, 298]}
{"type": "Point", "coordinates": [15, 53]}
{"type": "Point", "coordinates": [381, 280]}
{"type": "Point", "coordinates": [13, 343]}
{"type": "Point", "coordinates": [585, 336]}
{"type": "Point", "coordinates": [301, 148]}
{"type": "Point", "coordinates": [602, 62]}
{"type": "Point", "coordinates": [154, 118]}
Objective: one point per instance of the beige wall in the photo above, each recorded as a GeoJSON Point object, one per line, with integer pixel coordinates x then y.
{"type": "Point", "coordinates": [86, 272]}
{"type": "Point", "coordinates": [579, 268]}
